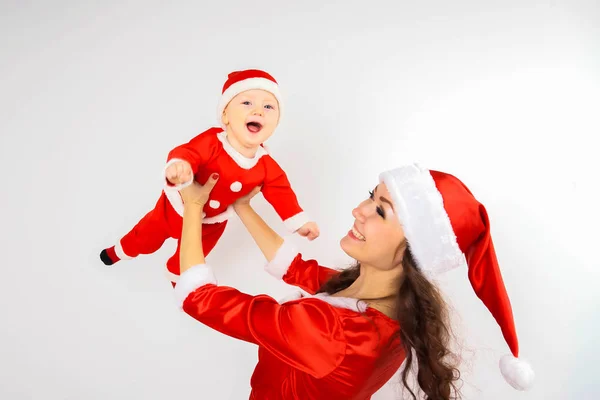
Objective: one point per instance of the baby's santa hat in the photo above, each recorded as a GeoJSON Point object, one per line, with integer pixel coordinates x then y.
{"type": "Point", "coordinates": [446, 227]}
{"type": "Point", "coordinates": [240, 81]}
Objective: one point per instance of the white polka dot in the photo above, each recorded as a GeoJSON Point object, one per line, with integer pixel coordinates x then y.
{"type": "Point", "coordinates": [214, 204]}
{"type": "Point", "coordinates": [236, 186]}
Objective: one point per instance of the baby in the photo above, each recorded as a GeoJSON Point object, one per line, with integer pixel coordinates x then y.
{"type": "Point", "coordinates": [249, 112]}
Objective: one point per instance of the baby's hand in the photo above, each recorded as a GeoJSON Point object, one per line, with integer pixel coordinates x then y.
{"type": "Point", "coordinates": [309, 230]}
{"type": "Point", "coordinates": [179, 172]}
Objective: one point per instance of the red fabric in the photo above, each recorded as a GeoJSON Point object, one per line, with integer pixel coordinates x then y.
{"type": "Point", "coordinates": [471, 225]}
{"type": "Point", "coordinates": [206, 155]}
{"type": "Point", "coordinates": [238, 76]}
{"type": "Point", "coordinates": [110, 252]}
{"type": "Point", "coordinates": [308, 348]}
{"type": "Point", "coordinates": [211, 233]}
{"type": "Point", "coordinates": [150, 233]}
{"type": "Point", "coordinates": [308, 274]}
{"type": "Point", "coordinates": [486, 280]}
{"type": "Point", "coordinates": [161, 223]}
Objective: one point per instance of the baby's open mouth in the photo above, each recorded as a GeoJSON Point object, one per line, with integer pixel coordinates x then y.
{"type": "Point", "coordinates": [254, 127]}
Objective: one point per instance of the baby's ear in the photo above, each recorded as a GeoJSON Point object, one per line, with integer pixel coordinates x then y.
{"type": "Point", "coordinates": [224, 118]}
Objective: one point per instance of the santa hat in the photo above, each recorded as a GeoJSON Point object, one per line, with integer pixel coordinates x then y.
{"type": "Point", "coordinates": [240, 81]}
{"type": "Point", "coordinates": [446, 227]}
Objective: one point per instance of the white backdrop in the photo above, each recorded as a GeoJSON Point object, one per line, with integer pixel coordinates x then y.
{"type": "Point", "coordinates": [93, 96]}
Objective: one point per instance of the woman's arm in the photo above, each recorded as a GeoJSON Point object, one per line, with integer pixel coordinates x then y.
{"type": "Point", "coordinates": [266, 238]}
{"type": "Point", "coordinates": [306, 335]}
{"type": "Point", "coordinates": [194, 197]}
{"type": "Point", "coordinates": [191, 252]}
{"type": "Point", "coordinates": [284, 260]}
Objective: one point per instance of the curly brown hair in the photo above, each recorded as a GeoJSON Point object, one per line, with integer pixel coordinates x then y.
{"type": "Point", "coordinates": [423, 319]}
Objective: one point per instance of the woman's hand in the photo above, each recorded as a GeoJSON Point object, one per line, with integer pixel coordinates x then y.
{"type": "Point", "coordinates": [196, 194]}
{"type": "Point", "coordinates": [266, 238]}
{"type": "Point", "coordinates": [244, 201]}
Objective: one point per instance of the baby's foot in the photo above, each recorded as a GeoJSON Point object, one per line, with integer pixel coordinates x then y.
{"type": "Point", "coordinates": [108, 256]}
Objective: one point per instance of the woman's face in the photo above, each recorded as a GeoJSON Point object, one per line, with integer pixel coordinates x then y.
{"type": "Point", "coordinates": [377, 235]}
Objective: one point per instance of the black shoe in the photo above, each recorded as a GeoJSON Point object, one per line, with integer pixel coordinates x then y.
{"type": "Point", "coordinates": [105, 258]}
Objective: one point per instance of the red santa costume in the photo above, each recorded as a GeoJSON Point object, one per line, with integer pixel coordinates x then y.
{"type": "Point", "coordinates": [207, 153]}
{"type": "Point", "coordinates": [326, 347]}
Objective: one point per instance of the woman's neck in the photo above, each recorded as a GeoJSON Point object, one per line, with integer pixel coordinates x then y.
{"type": "Point", "coordinates": [374, 284]}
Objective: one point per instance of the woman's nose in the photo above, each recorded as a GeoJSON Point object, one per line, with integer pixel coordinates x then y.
{"type": "Point", "coordinates": [357, 214]}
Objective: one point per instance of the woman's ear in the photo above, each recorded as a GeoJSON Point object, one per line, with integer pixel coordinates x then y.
{"type": "Point", "coordinates": [400, 251]}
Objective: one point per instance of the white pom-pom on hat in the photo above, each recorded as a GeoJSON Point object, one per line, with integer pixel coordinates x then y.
{"type": "Point", "coordinates": [518, 373]}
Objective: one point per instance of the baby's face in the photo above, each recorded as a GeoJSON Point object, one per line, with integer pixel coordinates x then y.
{"type": "Point", "coordinates": [251, 117]}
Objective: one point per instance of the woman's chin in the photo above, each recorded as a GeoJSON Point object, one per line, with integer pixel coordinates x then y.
{"type": "Point", "coordinates": [348, 245]}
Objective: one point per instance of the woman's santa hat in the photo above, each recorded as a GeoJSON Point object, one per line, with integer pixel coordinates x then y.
{"type": "Point", "coordinates": [446, 227]}
{"type": "Point", "coordinates": [240, 81]}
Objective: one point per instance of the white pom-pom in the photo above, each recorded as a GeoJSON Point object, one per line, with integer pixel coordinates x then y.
{"type": "Point", "coordinates": [518, 373]}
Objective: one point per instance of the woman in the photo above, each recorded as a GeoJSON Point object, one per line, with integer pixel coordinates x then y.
{"type": "Point", "coordinates": [355, 328]}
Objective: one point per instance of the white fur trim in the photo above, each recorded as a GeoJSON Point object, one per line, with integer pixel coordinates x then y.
{"type": "Point", "coordinates": [295, 295]}
{"type": "Point", "coordinates": [242, 86]}
{"type": "Point", "coordinates": [164, 175]}
{"type": "Point", "coordinates": [518, 373]}
{"type": "Point", "coordinates": [420, 209]}
{"type": "Point", "coordinates": [174, 199]}
{"type": "Point", "coordinates": [343, 302]}
{"type": "Point", "coordinates": [120, 252]}
{"type": "Point", "coordinates": [284, 256]}
{"type": "Point", "coordinates": [339, 302]}
{"type": "Point", "coordinates": [294, 223]}
{"type": "Point", "coordinates": [192, 279]}
{"type": "Point", "coordinates": [241, 160]}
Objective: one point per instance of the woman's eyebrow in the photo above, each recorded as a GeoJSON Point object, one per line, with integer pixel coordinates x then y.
{"type": "Point", "coordinates": [383, 198]}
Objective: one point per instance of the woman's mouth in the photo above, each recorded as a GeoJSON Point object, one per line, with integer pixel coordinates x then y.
{"type": "Point", "coordinates": [354, 234]}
